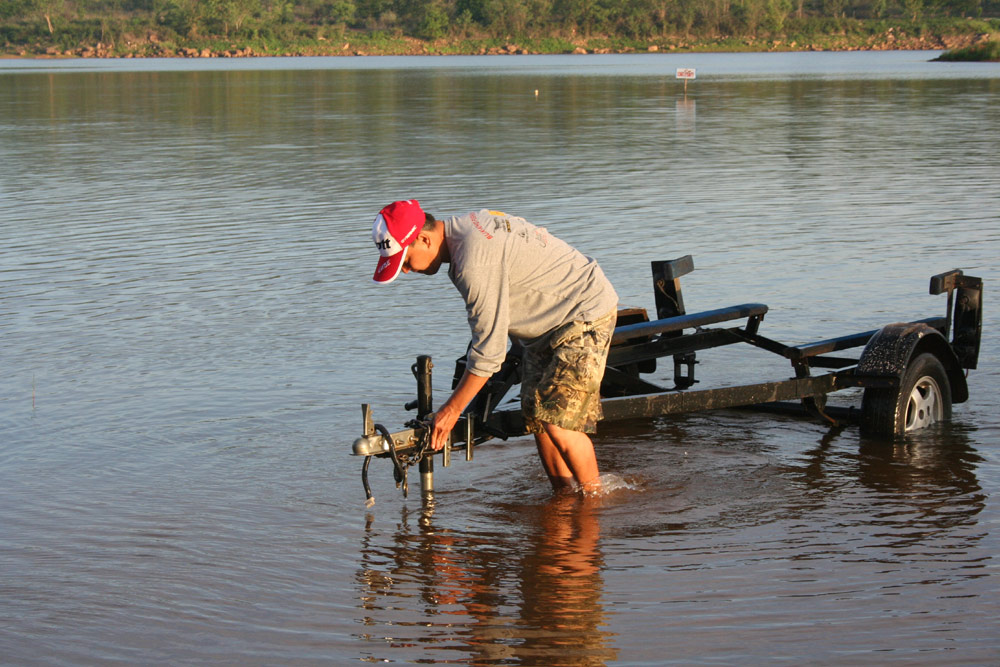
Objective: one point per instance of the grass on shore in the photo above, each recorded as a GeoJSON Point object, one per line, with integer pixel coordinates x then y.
{"type": "Point", "coordinates": [139, 40]}
{"type": "Point", "coordinates": [984, 52]}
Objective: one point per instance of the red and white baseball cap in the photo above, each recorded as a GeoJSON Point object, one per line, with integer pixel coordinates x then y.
{"type": "Point", "coordinates": [394, 229]}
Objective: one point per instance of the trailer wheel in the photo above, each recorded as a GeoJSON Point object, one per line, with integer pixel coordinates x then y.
{"type": "Point", "coordinates": [923, 398]}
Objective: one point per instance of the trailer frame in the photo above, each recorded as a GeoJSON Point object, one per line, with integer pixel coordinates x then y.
{"type": "Point", "coordinates": [881, 370]}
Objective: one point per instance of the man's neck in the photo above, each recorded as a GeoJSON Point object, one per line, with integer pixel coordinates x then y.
{"type": "Point", "coordinates": [444, 252]}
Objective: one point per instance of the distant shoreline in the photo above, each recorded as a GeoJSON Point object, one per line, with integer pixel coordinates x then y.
{"type": "Point", "coordinates": [244, 53]}
{"type": "Point", "coordinates": [221, 56]}
{"type": "Point", "coordinates": [360, 44]}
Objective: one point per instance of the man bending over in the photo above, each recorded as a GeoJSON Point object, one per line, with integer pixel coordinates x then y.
{"type": "Point", "coordinates": [517, 281]}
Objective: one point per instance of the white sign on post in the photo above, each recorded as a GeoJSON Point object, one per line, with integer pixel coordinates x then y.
{"type": "Point", "coordinates": [685, 73]}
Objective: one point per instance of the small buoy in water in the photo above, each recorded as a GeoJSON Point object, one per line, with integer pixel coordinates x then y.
{"type": "Point", "coordinates": [536, 92]}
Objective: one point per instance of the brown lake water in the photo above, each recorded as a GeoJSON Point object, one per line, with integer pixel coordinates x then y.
{"type": "Point", "coordinates": [188, 328]}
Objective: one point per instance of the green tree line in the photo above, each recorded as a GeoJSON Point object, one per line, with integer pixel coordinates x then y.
{"type": "Point", "coordinates": [109, 20]}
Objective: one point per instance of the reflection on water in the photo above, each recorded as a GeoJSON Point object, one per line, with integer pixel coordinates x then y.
{"type": "Point", "coordinates": [562, 588]}
{"type": "Point", "coordinates": [187, 328]}
{"type": "Point", "coordinates": [762, 551]}
{"type": "Point", "coordinates": [928, 480]}
{"type": "Point", "coordinates": [528, 595]}
{"type": "Point", "coordinates": [721, 542]}
{"type": "Point", "coordinates": [686, 112]}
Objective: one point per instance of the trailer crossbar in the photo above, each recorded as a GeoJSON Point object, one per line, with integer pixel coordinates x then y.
{"type": "Point", "coordinates": [847, 342]}
{"type": "Point", "coordinates": [690, 321]}
{"type": "Point", "coordinates": [663, 347]}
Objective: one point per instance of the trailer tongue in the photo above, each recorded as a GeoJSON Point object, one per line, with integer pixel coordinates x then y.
{"type": "Point", "coordinates": [911, 373]}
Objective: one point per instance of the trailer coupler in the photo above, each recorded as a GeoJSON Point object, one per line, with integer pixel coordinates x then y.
{"type": "Point", "coordinates": [377, 439]}
{"type": "Point", "coordinates": [401, 461]}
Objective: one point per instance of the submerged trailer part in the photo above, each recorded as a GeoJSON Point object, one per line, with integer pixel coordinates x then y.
{"type": "Point", "coordinates": [911, 374]}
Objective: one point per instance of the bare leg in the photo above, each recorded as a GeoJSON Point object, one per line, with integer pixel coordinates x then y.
{"type": "Point", "coordinates": [560, 476]}
{"type": "Point", "coordinates": [567, 455]}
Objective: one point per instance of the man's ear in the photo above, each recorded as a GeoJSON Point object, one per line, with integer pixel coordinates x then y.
{"type": "Point", "coordinates": [425, 239]}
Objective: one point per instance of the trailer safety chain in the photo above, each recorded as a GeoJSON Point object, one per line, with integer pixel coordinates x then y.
{"type": "Point", "coordinates": [401, 463]}
{"type": "Point", "coordinates": [369, 498]}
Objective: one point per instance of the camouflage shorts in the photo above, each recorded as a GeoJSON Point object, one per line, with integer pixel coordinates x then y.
{"type": "Point", "coordinates": [562, 372]}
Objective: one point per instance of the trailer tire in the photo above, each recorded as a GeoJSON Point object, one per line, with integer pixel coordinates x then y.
{"type": "Point", "coordinates": [923, 398]}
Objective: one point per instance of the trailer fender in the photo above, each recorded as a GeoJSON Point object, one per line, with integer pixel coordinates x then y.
{"type": "Point", "coordinates": [889, 352]}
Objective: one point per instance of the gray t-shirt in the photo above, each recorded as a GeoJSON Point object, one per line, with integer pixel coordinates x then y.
{"type": "Point", "coordinates": [518, 280]}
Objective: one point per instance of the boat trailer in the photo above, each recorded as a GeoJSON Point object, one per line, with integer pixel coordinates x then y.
{"type": "Point", "coordinates": [911, 374]}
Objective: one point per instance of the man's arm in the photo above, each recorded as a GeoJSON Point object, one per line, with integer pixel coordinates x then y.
{"type": "Point", "coordinates": [446, 418]}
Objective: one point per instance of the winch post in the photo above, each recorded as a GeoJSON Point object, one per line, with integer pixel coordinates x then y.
{"type": "Point", "coordinates": [427, 476]}
{"type": "Point", "coordinates": [425, 406]}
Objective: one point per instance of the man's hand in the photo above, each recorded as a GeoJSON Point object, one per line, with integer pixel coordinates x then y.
{"type": "Point", "coordinates": [446, 418]}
